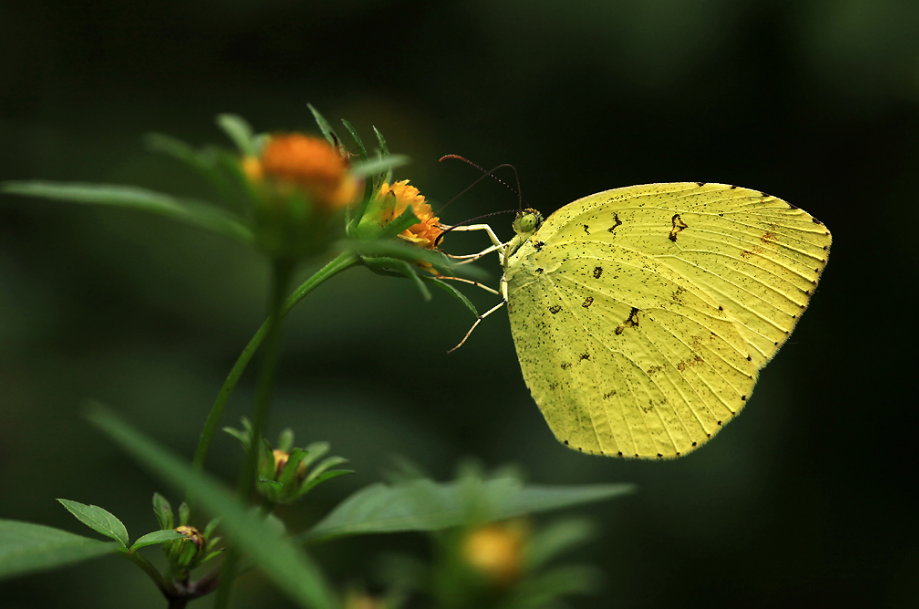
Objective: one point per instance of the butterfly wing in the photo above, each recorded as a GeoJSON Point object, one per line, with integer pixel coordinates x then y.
{"type": "Point", "coordinates": [642, 315]}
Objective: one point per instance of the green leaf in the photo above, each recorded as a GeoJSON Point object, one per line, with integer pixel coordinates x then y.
{"type": "Point", "coordinates": [555, 539]}
{"type": "Point", "coordinates": [156, 537]}
{"type": "Point", "coordinates": [27, 547]}
{"type": "Point", "coordinates": [369, 168]}
{"type": "Point", "coordinates": [185, 210]}
{"type": "Point", "coordinates": [326, 129]}
{"type": "Point", "coordinates": [100, 520]}
{"type": "Point", "coordinates": [424, 505]}
{"type": "Point", "coordinates": [282, 562]}
{"type": "Point", "coordinates": [238, 130]}
{"type": "Point", "coordinates": [452, 291]}
{"type": "Point", "coordinates": [357, 139]}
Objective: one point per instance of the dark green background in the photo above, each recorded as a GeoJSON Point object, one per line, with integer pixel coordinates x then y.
{"type": "Point", "coordinates": [808, 498]}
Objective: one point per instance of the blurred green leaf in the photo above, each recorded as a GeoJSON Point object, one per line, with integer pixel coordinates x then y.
{"type": "Point", "coordinates": [27, 547]}
{"type": "Point", "coordinates": [156, 537]}
{"type": "Point", "coordinates": [375, 166]}
{"type": "Point", "coordinates": [98, 519]}
{"type": "Point", "coordinates": [282, 562]}
{"type": "Point", "coordinates": [548, 585]}
{"type": "Point", "coordinates": [424, 505]}
{"type": "Point", "coordinates": [238, 130]}
{"type": "Point", "coordinates": [555, 538]}
{"type": "Point", "coordinates": [185, 210]}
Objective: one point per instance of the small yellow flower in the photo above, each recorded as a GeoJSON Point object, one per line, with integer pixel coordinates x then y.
{"type": "Point", "coordinates": [192, 534]}
{"type": "Point", "coordinates": [280, 461]}
{"type": "Point", "coordinates": [496, 551]}
{"type": "Point", "coordinates": [308, 163]}
{"type": "Point", "coordinates": [425, 233]}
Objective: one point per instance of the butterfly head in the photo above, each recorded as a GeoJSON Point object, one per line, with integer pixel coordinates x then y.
{"type": "Point", "coordinates": [527, 221]}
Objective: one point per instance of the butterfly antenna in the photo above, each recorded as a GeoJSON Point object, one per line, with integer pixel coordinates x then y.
{"type": "Point", "coordinates": [486, 174]}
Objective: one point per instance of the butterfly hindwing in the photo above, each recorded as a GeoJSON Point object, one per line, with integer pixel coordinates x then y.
{"type": "Point", "coordinates": [642, 315]}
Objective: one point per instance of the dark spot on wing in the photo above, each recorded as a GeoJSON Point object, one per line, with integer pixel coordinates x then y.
{"type": "Point", "coordinates": [565, 365]}
{"type": "Point", "coordinates": [743, 398]}
{"type": "Point", "coordinates": [694, 442]}
{"type": "Point", "coordinates": [732, 188]}
{"type": "Point", "coordinates": [701, 183]}
{"type": "Point", "coordinates": [540, 270]}
{"type": "Point", "coordinates": [598, 270]}
{"type": "Point", "coordinates": [619, 453]}
{"type": "Point", "coordinates": [607, 396]}
{"type": "Point", "coordinates": [586, 229]}
{"type": "Point", "coordinates": [631, 321]}
{"type": "Point", "coordinates": [555, 309]}
{"type": "Point", "coordinates": [539, 245]}
{"type": "Point", "coordinates": [584, 356]}
{"type": "Point", "coordinates": [618, 223]}
{"type": "Point", "coordinates": [678, 225]}
{"type": "Point", "coordinates": [588, 301]}
{"type": "Point", "coordinates": [566, 442]}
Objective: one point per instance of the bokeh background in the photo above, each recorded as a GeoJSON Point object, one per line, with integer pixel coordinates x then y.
{"type": "Point", "coordinates": [808, 498]}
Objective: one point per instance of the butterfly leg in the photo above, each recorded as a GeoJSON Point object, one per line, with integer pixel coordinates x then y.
{"type": "Point", "coordinates": [496, 243]}
{"type": "Point", "coordinates": [484, 315]}
{"type": "Point", "coordinates": [471, 282]}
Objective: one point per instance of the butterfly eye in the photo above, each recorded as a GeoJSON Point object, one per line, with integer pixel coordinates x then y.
{"type": "Point", "coordinates": [527, 221]}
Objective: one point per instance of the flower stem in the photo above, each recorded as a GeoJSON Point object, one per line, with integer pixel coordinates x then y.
{"type": "Point", "coordinates": [344, 261]}
{"type": "Point", "coordinates": [281, 273]}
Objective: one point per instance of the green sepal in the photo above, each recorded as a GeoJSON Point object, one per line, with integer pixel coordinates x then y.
{"type": "Point", "coordinates": [384, 152]}
{"type": "Point", "coordinates": [286, 439]}
{"type": "Point", "coordinates": [324, 476]}
{"type": "Point", "coordinates": [163, 512]}
{"type": "Point", "coordinates": [238, 130]}
{"type": "Point", "coordinates": [290, 468]}
{"type": "Point", "coordinates": [357, 139]}
{"type": "Point", "coordinates": [452, 291]}
{"type": "Point", "coordinates": [327, 130]}
{"type": "Point", "coordinates": [184, 513]}
{"type": "Point", "coordinates": [211, 527]}
{"type": "Point", "coordinates": [98, 519]}
{"type": "Point", "coordinates": [315, 451]}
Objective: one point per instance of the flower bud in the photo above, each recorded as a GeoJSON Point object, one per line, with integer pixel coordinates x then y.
{"type": "Point", "coordinates": [301, 185]}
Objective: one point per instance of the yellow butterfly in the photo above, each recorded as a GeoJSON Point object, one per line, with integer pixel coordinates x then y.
{"type": "Point", "coordinates": [643, 315]}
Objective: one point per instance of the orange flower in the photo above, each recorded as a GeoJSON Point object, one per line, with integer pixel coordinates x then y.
{"type": "Point", "coordinates": [308, 163]}
{"type": "Point", "coordinates": [496, 551]}
{"type": "Point", "coordinates": [425, 233]}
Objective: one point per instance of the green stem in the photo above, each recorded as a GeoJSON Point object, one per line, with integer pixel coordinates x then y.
{"type": "Point", "coordinates": [344, 261]}
{"type": "Point", "coordinates": [149, 569]}
{"type": "Point", "coordinates": [280, 278]}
